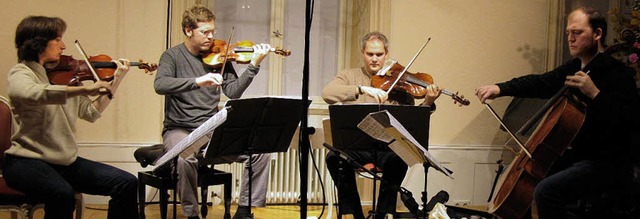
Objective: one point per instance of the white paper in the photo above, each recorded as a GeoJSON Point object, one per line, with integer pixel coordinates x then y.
{"type": "Point", "coordinates": [384, 127]}
{"type": "Point", "coordinates": [196, 138]}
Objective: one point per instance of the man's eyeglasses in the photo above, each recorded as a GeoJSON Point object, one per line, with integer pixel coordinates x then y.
{"type": "Point", "coordinates": [207, 32]}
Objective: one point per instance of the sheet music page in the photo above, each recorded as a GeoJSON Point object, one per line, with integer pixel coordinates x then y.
{"type": "Point", "coordinates": [195, 138]}
{"type": "Point", "coordinates": [404, 145]}
{"type": "Point", "coordinates": [373, 124]}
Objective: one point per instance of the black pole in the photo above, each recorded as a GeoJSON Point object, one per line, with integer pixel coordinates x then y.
{"type": "Point", "coordinates": [168, 35]}
{"type": "Point", "coordinates": [424, 197]}
{"type": "Point", "coordinates": [303, 143]}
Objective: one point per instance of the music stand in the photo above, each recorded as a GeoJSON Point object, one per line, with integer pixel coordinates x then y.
{"type": "Point", "coordinates": [385, 127]}
{"type": "Point", "coordinates": [255, 126]}
{"type": "Point", "coordinates": [348, 137]}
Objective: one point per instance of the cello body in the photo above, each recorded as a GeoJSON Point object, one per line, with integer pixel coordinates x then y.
{"type": "Point", "coordinates": [552, 136]}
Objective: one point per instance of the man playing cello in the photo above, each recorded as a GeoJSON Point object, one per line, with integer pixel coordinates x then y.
{"type": "Point", "coordinates": [607, 88]}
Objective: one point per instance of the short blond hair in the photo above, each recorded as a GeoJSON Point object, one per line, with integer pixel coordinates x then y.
{"type": "Point", "coordinates": [195, 14]}
{"type": "Point", "coordinates": [375, 35]}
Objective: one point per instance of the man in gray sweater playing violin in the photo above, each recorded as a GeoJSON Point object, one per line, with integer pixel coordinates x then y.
{"type": "Point", "coordinates": [192, 93]}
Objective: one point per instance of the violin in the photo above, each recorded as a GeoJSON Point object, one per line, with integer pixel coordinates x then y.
{"type": "Point", "coordinates": [72, 72]}
{"type": "Point", "coordinates": [415, 84]}
{"type": "Point", "coordinates": [240, 52]}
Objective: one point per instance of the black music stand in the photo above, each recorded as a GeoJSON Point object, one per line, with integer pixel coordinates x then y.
{"type": "Point", "coordinates": [385, 127]}
{"type": "Point", "coordinates": [255, 126]}
{"type": "Point", "coordinates": [348, 137]}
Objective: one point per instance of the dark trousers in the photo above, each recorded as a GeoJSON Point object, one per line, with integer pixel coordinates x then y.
{"type": "Point", "coordinates": [582, 179]}
{"type": "Point", "coordinates": [56, 185]}
{"type": "Point", "coordinates": [343, 175]}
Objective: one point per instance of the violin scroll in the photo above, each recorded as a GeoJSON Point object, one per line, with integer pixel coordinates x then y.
{"type": "Point", "coordinates": [148, 68]}
{"type": "Point", "coordinates": [459, 99]}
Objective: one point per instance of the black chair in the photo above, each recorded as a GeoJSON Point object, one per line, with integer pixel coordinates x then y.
{"type": "Point", "coordinates": [162, 180]}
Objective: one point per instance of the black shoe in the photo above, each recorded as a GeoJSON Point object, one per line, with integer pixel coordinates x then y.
{"type": "Point", "coordinates": [242, 212]}
{"type": "Point", "coordinates": [194, 217]}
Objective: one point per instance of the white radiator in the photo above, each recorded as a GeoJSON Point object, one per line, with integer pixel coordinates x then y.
{"type": "Point", "coordinates": [284, 178]}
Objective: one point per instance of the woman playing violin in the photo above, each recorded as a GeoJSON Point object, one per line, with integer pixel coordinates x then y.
{"type": "Point", "coordinates": [354, 86]}
{"type": "Point", "coordinates": [607, 89]}
{"type": "Point", "coordinates": [43, 160]}
{"type": "Point", "coordinates": [192, 92]}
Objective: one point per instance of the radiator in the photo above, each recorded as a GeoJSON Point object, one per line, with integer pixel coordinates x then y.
{"type": "Point", "coordinates": [284, 178]}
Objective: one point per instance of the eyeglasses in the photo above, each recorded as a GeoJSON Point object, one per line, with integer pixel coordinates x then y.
{"type": "Point", "coordinates": [207, 32]}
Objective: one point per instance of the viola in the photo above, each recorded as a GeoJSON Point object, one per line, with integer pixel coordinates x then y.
{"type": "Point", "coordinates": [415, 84]}
{"type": "Point", "coordinates": [70, 71]}
{"type": "Point", "coordinates": [240, 52]}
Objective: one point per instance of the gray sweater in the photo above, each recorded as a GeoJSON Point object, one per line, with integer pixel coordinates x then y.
{"type": "Point", "coordinates": [186, 104]}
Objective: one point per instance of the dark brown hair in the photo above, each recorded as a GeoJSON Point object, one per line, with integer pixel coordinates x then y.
{"type": "Point", "coordinates": [34, 33]}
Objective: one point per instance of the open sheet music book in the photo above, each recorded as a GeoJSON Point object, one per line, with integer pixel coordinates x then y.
{"type": "Point", "coordinates": [196, 139]}
{"type": "Point", "coordinates": [384, 127]}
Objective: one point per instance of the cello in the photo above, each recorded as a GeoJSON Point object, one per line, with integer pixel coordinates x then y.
{"type": "Point", "coordinates": [560, 120]}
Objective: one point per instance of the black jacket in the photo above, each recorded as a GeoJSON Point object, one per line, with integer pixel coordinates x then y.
{"type": "Point", "coordinates": [611, 117]}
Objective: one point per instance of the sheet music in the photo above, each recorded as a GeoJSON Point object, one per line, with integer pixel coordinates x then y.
{"type": "Point", "coordinates": [374, 125]}
{"type": "Point", "coordinates": [384, 127]}
{"type": "Point", "coordinates": [197, 138]}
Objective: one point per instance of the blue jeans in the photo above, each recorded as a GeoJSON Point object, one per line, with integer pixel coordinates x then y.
{"type": "Point", "coordinates": [555, 192]}
{"type": "Point", "coordinates": [56, 185]}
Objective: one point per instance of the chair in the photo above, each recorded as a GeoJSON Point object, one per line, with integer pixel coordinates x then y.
{"type": "Point", "coordinates": [12, 200]}
{"type": "Point", "coordinates": [162, 180]}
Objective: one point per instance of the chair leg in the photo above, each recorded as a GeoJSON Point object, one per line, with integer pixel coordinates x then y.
{"type": "Point", "coordinates": [164, 197]}
{"type": "Point", "coordinates": [79, 205]}
{"type": "Point", "coordinates": [203, 207]}
{"type": "Point", "coordinates": [141, 198]}
{"type": "Point", "coordinates": [227, 198]}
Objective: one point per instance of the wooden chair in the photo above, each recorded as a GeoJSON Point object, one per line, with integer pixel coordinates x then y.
{"type": "Point", "coordinates": [162, 180]}
{"type": "Point", "coordinates": [10, 199]}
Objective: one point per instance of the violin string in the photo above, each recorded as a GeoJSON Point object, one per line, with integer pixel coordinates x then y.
{"type": "Point", "coordinates": [407, 67]}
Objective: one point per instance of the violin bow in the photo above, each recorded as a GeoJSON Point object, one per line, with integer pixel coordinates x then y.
{"type": "Point", "coordinates": [226, 51]}
{"type": "Point", "coordinates": [86, 59]}
{"type": "Point", "coordinates": [93, 71]}
{"type": "Point", "coordinates": [408, 64]}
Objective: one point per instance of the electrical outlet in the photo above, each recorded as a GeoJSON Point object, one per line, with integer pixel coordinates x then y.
{"type": "Point", "coordinates": [461, 202]}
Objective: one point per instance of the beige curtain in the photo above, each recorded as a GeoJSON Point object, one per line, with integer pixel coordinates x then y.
{"type": "Point", "coordinates": [357, 18]}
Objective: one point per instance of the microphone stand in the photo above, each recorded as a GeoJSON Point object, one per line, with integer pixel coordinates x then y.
{"type": "Point", "coordinates": [303, 142]}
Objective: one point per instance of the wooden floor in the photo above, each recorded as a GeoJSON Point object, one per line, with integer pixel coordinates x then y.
{"type": "Point", "coordinates": [215, 212]}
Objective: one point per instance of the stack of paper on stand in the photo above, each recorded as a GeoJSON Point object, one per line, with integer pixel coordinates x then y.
{"type": "Point", "coordinates": [196, 139]}
{"type": "Point", "coordinates": [384, 127]}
